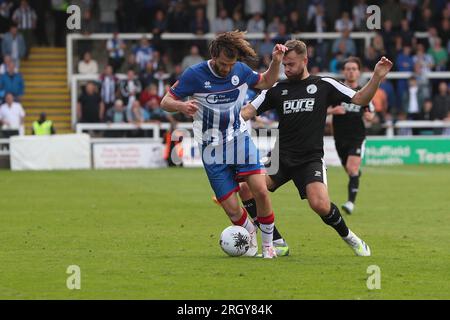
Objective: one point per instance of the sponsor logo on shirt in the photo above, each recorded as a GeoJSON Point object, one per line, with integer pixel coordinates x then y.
{"type": "Point", "coordinates": [298, 105]}
{"type": "Point", "coordinates": [225, 97]}
{"type": "Point", "coordinates": [207, 85]}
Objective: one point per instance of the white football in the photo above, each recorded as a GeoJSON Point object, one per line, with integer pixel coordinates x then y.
{"type": "Point", "coordinates": [235, 241]}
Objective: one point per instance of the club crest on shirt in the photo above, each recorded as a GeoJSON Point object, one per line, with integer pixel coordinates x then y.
{"type": "Point", "coordinates": [311, 89]}
{"type": "Point", "coordinates": [235, 80]}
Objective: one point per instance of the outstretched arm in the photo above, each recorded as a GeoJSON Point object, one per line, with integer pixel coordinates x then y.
{"type": "Point", "coordinates": [363, 96]}
{"type": "Point", "coordinates": [269, 77]}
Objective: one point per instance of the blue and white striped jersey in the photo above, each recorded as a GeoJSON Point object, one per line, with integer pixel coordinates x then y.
{"type": "Point", "coordinates": [218, 119]}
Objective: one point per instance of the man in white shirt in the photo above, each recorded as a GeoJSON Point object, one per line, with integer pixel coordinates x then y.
{"type": "Point", "coordinates": [88, 65]}
{"type": "Point", "coordinates": [11, 115]}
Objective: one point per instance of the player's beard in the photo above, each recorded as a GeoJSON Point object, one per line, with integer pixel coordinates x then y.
{"type": "Point", "coordinates": [297, 77]}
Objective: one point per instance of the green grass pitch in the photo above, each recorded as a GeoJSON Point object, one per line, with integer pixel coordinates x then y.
{"type": "Point", "coordinates": [153, 234]}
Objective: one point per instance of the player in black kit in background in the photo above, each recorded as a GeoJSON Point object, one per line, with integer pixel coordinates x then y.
{"type": "Point", "coordinates": [349, 131]}
{"type": "Point", "coordinates": [301, 102]}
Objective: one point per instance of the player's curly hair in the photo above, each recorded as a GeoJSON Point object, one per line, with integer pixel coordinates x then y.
{"type": "Point", "coordinates": [233, 45]}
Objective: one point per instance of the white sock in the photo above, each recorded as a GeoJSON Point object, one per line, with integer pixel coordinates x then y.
{"type": "Point", "coordinates": [267, 234]}
{"type": "Point", "coordinates": [245, 222]}
{"type": "Point", "coordinates": [248, 224]}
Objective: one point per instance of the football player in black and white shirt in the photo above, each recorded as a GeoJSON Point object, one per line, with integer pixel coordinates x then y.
{"type": "Point", "coordinates": [301, 102]}
{"type": "Point", "coordinates": [350, 132]}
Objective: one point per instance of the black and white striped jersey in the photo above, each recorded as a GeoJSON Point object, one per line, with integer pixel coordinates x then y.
{"type": "Point", "coordinates": [302, 109]}
{"type": "Point", "coordinates": [350, 127]}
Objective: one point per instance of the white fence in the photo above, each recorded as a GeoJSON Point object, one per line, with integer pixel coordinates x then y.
{"type": "Point", "coordinates": [156, 128]}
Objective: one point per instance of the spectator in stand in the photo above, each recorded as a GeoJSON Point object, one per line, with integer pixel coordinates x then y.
{"type": "Point", "coordinates": [314, 61]}
{"type": "Point", "coordinates": [4, 65]}
{"type": "Point", "coordinates": [130, 88]}
{"type": "Point", "coordinates": [344, 23]}
{"type": "Point", "coordinates": [200, 24]}
{"type": "Point", "coordinates": [337, 62]}
{"type": "Point", "coordinates": [294, 25]}
{"type": "Point", "coordinates": [162, 77]}
{"type": "Point", "coordinates": [388, 35]}
{"type": "Point", "coordinates": [127, 11]}
{"type": "Point", "coordinates": [177, 18]}
{"type": "Point", "coordinates": [426, 21]}
{"type": "Point", "coordinates": [26, 19]}
{"type": "Point", "coordinates": [253, 7]}
{"type": "Point", "coordinates": [137, 115]}
{"type": "Point", "coordinates": [178, 71]}
{"type": "Point", "coordinates": [5, 14]}
{"type": "Point", "coordinates": [166, 61]}
{"type": "Point", "coordinates": [412, 101]}
{"type": "Point", "coordinates": [282, 36]}
{"type": "Point", "coordinates": [392, 11]}
{"type": "Point", "coordinates": [132, 64]}
{"type": "Point", "coordinates": [256, 24]}
{"type": "Point", "coordinates": [424, 60]}
{"type": "Point", "coordinates": [344, 45]}
{"type": "Point", "coordinates": [272, 27]}
{"type": "Point", "coordinates": [378, 44]}
{"type": "Point", "coordinates": [90, 107]}
{"type": "Point", "coordinates": [222, 23]}
{"type": "Point", "coordinates": [406, 34]}
{"type": "Point", "coordinates": [157, 114]}
{"type": "Point", "coordinates": [388, 88]}
{"type": "Point", "coordinates": [317, 22]}
{"type": "Point", "coordinates": [409, 8]}
{"type": "Point", "coordinates": [422, 81]}
{"type": "Point", "coordinates": [238, 22]}
{"type": "Point", "coordinates": [116, 48]}
{"type": "Point", "coordinates": [439, 54]}
{"type": "Point", "coordinates": [191, 59]}
{"type": "Point", "coordinates": [42, 126]}
{"type": "Point", "coordinates": [441, 103]}
{"type": "Point", "coordinates": [116, 114]}
{"type": "Point", "coordinates": [13, 45]}
{"type": "Point", "coordinates": [107, 10]}
{"type": "Point", "coordinates": [159, 24]}
{"type": "Point", "coordinates": [371, 58]}
{"type": "Point", "coordinates": [87, 65]}
{"type": "Point", "coordinates": [11, 116]}
{"type": "Point", "coordinates": [266, 47]}
{"type": "Point", "coordinates": [12, 82]}
{"type": "Point", "coordinates": [144, 53]}
{"type": "Point", "coordinates": [404, 63]}
{"type": "Point", "coordinates": [359, 13]}
{"type": "Point", "coordinates": [150, 92]}
{"type": "Point", "coordinates": [108, 87]}
{"type": "Point", "coordinates": [146, 77]}
{"type": "Point", "coordinates": [444, 31]}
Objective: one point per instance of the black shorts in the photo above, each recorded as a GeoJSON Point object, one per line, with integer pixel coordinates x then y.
{"type": "Point", "coordinates": [302, 175]}
{"type": "Point", "coordinates": [349, 148]}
